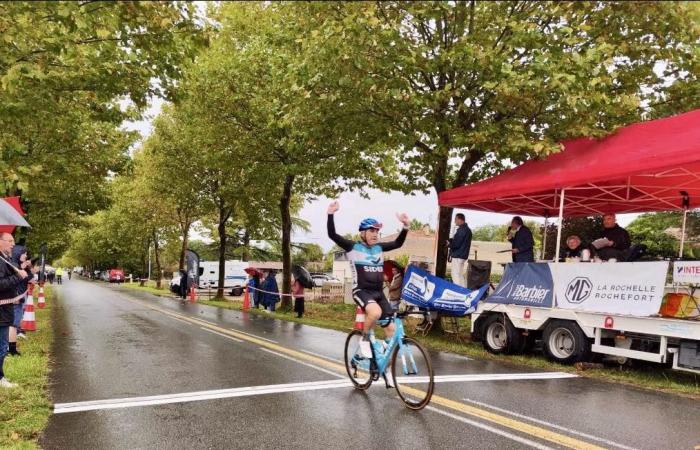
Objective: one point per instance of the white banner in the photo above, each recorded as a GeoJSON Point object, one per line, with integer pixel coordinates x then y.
{"type": "Point", "coordinates": [634, 289]}
{"type": "Point", "coordinates": [686, 272]}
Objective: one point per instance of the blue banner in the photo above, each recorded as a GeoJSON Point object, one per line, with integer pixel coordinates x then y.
{"type": "Point", "coordinates": [425, 290]}
{"type": "Point", "coordinates": [526, 284]}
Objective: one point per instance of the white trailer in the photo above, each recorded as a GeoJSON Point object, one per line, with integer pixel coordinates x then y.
{"type": "Point", "coordinates": [570, 336]}
{"type": "Point", "coordinates": [234, 277]}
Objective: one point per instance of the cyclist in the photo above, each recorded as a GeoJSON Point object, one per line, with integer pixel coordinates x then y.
{"type": "Point", "coordinates": [367, 265]}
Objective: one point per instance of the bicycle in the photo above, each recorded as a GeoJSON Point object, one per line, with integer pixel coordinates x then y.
{"type": "Point", "coordinates": [403, 354]}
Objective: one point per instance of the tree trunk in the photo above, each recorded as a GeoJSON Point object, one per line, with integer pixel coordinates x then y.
{"type": "Point", "coordinates": [185, 241]}
{"type": "Point", "coordinates": [245, 256]}
{"type": "Point", "coordinates": [285, 201]}
{"type": "Point", "coordinates": [156, 251]}
{"type": "Point", "coordinates": [444, 223]}
{"type": "Point", "coordinates": [223, 217]}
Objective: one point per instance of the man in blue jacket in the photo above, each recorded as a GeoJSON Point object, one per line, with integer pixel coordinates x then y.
{"type": "Point", "coordinates": [459, 249]}
{"type": "Point", "coordinates": [521, 240]}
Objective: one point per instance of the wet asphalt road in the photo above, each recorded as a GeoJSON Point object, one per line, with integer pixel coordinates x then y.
{"type": "Point", "coordinates": [115, 343]}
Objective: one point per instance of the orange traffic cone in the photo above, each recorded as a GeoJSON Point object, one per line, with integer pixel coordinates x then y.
{"type": "Point", "coordinates": [246, 300]}
{"type": "Point", "coordinates": [193, 295]}
{"type": "Point", "coordinates": [28, 322]}
{"type": "Point", "coordinates": [359, 319]}
{"type": "Point", "coordinates": [42, 300]}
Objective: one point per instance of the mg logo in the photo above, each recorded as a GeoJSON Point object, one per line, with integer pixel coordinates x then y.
{"type": "Point", "coordinates": [578, 290]}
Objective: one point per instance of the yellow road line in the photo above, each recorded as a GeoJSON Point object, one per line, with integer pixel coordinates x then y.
{"type": "Point", "coordinates": [517, 425]}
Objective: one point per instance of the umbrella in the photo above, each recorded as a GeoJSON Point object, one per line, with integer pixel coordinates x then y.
{"type": "Point", "coordinates": [390, 264]}
{"type": "Point", "coordinates": [11, 215]}
{"type": "Point", "coordinates": [252, 272]}
{"type": "Point", "coordinates": [303, 276]}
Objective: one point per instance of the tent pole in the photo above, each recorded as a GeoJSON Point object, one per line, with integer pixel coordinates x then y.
{"type": "Point", "coordinates": [559, 227]}
{"type": "Point", "coordinates": [544, 237]}
{"type": "Point", "coordinates": [685, 216]}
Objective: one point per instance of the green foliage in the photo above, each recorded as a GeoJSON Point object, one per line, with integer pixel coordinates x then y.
{"type": "Point", "coordinates": [490, 233]}
{"type": "Point", "coordinates": [655, 230]}
{"type": "Point", "coordinates": [455, 90]}
{"type": "Point", "coordinates": [67, 70]}
{"type": "Point", "coordinates": [586, 228]}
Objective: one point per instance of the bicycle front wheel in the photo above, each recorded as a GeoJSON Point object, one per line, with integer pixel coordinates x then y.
{"type": "Point", "coordinates": [356, 365]}
{"type": "Point", "coordinates": [413, 375]}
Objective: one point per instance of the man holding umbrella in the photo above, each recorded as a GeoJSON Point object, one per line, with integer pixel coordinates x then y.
{"type": "Point", "coordinates": [10, 278]}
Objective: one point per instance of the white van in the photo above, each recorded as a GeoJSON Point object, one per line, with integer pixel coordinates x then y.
{"type": "Point", "coordinates": [234, 276]}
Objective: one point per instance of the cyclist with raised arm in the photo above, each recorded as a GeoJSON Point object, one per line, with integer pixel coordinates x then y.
{"type": "Point", "coordinates": [367, 265]}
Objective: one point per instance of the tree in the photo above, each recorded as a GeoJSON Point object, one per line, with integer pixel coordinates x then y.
{"type": "Point", "coordinates": [271, 110]}
{"type": "Point", "coordinates": [463, 89]}
{"type": "Point", "coordinates": [490, 233]}
{"type": "Point", "coordinates": [660, 233]}
{"type": "Point", "coordinates": [66, 69]}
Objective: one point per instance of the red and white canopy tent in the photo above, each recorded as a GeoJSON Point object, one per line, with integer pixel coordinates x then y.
{"type": "Point", "coordinates": [647, 166]}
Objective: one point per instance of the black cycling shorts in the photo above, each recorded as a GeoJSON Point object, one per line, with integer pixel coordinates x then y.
{"type": "Point", "coordinates": [363, 297]}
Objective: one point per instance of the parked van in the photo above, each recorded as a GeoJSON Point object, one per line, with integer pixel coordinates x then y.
{"type": "Point", "coordinates": [234, 277]}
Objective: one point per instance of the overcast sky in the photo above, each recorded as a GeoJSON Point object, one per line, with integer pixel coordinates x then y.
{"type": "Point", "coordinates": [354, 208]}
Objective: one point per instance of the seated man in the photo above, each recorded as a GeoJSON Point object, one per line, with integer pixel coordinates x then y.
{"type": "Point", "coordinates": [618, 240]}
{"type": "Point", "coordinates": [574, 247]}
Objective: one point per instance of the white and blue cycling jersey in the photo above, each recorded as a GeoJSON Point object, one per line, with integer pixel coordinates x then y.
{"type": "Point", "coordinates": [366, 262]}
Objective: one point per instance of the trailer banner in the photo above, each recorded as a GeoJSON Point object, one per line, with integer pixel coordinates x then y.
{"type": "Point", "coordinates": [634, 289]}
{"type": "Point", "coordinates": [525, 284]}
{"type": "Point", "coordinates": [686, 272]}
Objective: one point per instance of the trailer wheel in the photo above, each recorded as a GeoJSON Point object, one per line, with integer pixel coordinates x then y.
{"type": "Point", "coordinates": [564, 342]}
{"type": "Point", "coordinates": [500, 336]}
{"type": "Point", "coordinates": [237, 292]}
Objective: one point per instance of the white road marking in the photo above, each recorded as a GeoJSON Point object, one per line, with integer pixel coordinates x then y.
{"type": "Point", "coordinates": [223, 335]}
{"type": "Point", "coordinates": [322, 356]}
{"type": "Point", "coordinates": [549, 424]}
{"type": "Point", "coordinates": [330, 372]}
{"type": "Point", "coordinates": [62, 408]}
{"type": "Point", "coordinates": [490, 377]}
{"type": "Point", "coordinates": [491, 429]}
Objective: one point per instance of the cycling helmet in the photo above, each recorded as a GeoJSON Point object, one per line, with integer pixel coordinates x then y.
{"type": "Point", "coordinates": [370, 223]}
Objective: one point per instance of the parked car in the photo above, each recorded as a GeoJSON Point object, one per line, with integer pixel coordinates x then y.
{"type": "Point", "coordinates": [320, 278]}
{"type": "Point", "coordinates": [115, 276]}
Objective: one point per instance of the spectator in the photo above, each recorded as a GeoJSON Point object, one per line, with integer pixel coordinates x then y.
{"type": "Point", "coordinates": [271, 295]}
{"type": "Point", "coordinates": [10, 278]}
{"type": "Point", "coordinates": [395, 287]}
{"type": "Point", "coordinates": [298, 293]}
{"type": "Point", "coordinates": [521, 240]}
{"type": "Point", "coordinates": [574, 247]}
{"type": "Point", "coordinates": [618, 240]}
{"type": "Point", "coordinates": [19, 259]}
{"type": "Point", "coordinates": [460, 245]}
{"type": "Point", "coordinates": [254, 288]}
{"type": "Point", "coordinates": [70, 273]}
{"type": "Point", "coordinates": [184, 284]}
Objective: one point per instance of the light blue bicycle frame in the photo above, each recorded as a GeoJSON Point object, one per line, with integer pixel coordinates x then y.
{"type": "Point", "coordinates": [382, 357]}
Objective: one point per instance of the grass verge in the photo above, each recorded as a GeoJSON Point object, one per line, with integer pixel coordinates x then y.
{"type": "Point", "coordinates": [25, 410]}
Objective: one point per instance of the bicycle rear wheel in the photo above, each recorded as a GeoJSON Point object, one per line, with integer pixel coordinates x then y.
{"type": "Point", "coordinates": [413, 375]}
{"type": "Point", "coordinates": [356, 365]}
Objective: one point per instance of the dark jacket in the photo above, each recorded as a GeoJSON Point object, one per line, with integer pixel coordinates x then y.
{"type": "Point", "coordinates": [270, 285]}
{"type": "Point", "coordinates": [461, 242]}
{"type": "Point", "coordinates": [619, 236]}
{"type": "Point", "coordinates": [524, 242]}
{"type": "Point", "coordinates": [9, 281]}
